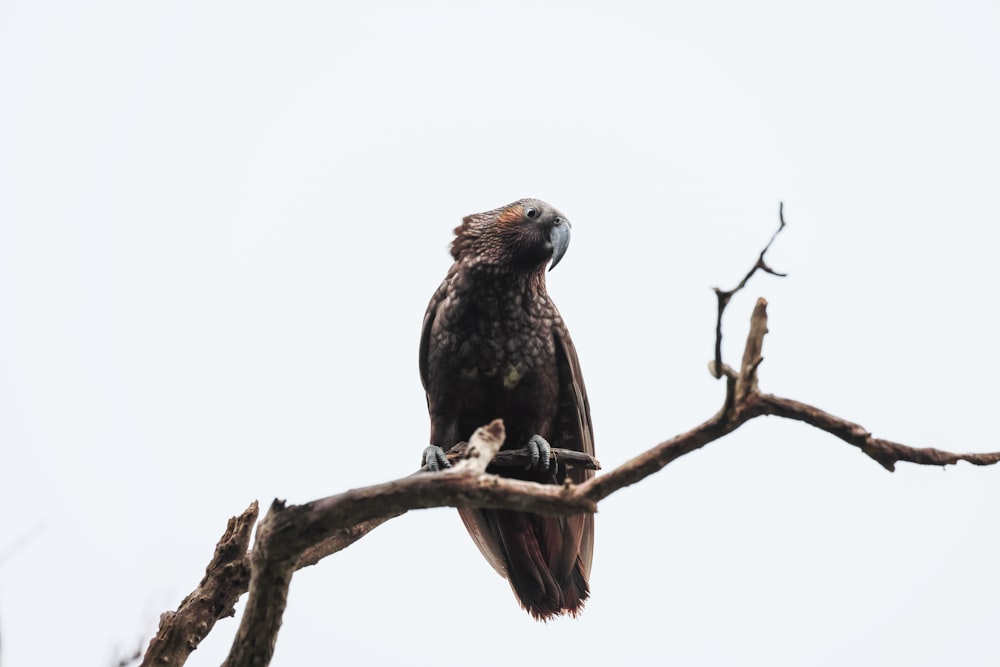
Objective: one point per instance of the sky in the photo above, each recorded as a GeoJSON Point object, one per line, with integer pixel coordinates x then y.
{"type": "Point", "coordinates": [220, 224]}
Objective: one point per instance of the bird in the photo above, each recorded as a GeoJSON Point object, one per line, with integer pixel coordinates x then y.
{"type": "Point", "coordinates": [493, 345]}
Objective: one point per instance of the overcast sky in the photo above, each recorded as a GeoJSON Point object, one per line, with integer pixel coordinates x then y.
{"type": "Point", "coordinates": [220, 225]}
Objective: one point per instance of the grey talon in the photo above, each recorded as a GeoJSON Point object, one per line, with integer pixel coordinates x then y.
{"type": "Point", "coordinates": [434, 459]}
{"type": "Point", "coordinates": [540, 451]}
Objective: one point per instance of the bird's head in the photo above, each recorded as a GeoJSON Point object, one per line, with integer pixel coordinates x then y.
{"type": "Point", "coordinates": [522, 236]}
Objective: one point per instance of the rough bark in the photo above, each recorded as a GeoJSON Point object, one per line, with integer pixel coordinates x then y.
{"type": "Point", "coordinates": [225, 580]}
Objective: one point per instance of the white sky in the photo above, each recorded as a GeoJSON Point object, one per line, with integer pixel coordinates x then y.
{"type": "Point", "coordinates": [220, 225]}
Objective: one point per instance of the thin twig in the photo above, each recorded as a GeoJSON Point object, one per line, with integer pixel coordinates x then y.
{"type": "Point", "coordinates": [723, 296]}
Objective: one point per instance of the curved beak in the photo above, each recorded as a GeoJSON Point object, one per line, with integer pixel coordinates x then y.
{"type": "Point", "coordinates": [559, 238]}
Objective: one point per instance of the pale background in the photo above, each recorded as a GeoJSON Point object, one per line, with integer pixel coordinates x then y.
{"type": "Point", "coordinates": [220, 225]}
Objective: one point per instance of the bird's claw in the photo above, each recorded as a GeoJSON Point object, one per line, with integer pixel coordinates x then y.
{"type": "Point", "coordinates": [540, 451]}
{"type": "Point", "coordinates": [434, 459]}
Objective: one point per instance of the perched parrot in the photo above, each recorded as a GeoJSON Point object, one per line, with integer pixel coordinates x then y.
{"type": "Point", "coordinates": [494, 346]}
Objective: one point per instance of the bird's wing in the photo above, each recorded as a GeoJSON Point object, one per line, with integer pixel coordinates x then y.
{"type": "Point", "coordinates": [575, 431]}
{"type": "Point", "coordinates": [425, 336]}
{"type": "Point", "coordinates": [574, 428]}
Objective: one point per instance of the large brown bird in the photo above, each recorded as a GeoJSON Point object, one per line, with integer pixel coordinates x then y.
{"type": "Point", "coordinates": [494, 345]}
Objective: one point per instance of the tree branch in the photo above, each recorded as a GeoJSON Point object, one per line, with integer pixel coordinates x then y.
{"type": "Point", "coordinates": [723, 296]}
{"type": "Point", "coordinates": [520, 458]}
{"type": "Point", "coordinates": [886, 452]}
{"type": "Point", "coordinates": [225, 580]}
{"type": "Point", "coordinates": [292, 537]}
{"type": "Point", "coordinates": [289, 532]}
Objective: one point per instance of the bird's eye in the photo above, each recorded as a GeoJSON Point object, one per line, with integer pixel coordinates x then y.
{"type": "Point", "coordinates": [531, 213]}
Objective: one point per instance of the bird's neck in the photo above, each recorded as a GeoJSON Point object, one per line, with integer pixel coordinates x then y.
{"type": "Point", "coordinates": [490, 277]}
{"type": "Point", "coordinates": [499, 288]}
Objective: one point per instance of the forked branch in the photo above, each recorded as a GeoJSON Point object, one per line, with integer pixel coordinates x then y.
{"type": "Point", "coordinates": [724, 296]}
{"type": "Point", "coordinates": [226, 579]}
{"type": "Point", "coordinates": [292, 537]}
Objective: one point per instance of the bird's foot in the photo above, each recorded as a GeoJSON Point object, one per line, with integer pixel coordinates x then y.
{"type": "Point", "coordinates": [434, 459]}
{"type": "Point", "coordinates": [540, 451]}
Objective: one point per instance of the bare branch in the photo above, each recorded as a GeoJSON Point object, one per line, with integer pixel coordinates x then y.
{"type": "Point", "coordinates": [724, 296]}
{"type": "Point", "coordinates": [292, 537]}
{"type": "Point", "coordinates": [505, 459]}
{"type": "Point", "coordinates": [886, 452]}
{"type": "Point", "coordinates": [746, 381]}
{"type": "Point", "coordinates": [295, 536]}
{"type": "Point", "coordinates": [340, 540]}
{"type": "Point", "coordinates": [520, 458]}
{"type": "Point", "coordinates": [482, 447]}
{"type": "Point", "coordinates": [287, 532]}
{"type": "Point", "coordinates": [163, 648]}
{"type": "Point", "coordinates": [655, 459]}
{"type": "Point", "coordinates": [224, 582]}
{"type": "Point", "coordinates": [735, 411]}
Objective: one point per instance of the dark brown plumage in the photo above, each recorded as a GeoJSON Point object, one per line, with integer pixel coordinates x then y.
{"type": "Point", "coordinates": [494, 345]}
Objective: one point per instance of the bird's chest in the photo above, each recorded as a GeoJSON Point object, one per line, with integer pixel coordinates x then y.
{"type": "Point", "coordinates": [496, 352]}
